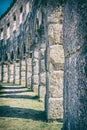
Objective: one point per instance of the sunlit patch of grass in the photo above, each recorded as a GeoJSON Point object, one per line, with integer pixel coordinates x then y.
{"type": "Point", "coordinates": [27, 124]}
{"type": "Point", "coordinates": [23, 111]}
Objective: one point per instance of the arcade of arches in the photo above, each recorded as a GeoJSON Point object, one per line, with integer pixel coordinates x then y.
{"type": "Point", "coordinates": [40, 43]}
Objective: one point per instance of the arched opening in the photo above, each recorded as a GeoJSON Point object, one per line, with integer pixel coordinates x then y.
{"type": "Point", "coordinates": [30, 39]}
{"type": "Point", "coordinates": [42, 22]}
{"type": "Point", "coordinates": [30, 44]}
{"type": "Point", "coordinates": [36, 30]}
{"type": "Point", "coordinates": [43, 17]}
{"type": "Point", "coordinates": [21, 14]}
{"type": "Point", "coordinates": [24, 49]}
{"type": "Point", "coordinates": [0, 58]}
{"type": "Point", "coordinates": [12, 56]}
{"type": "Point", "coordinates": [8, 30]}
{"type": "Point", "coordinates": [1, 33]}
{"type": "Point", "coordinates": [14, 22]}
{"type": "Point", "coordinates": [37, 24]}
{"type": "Point", "coordinates": [18, 53]}
{"type": "Point", "coordinates": [6, 57]}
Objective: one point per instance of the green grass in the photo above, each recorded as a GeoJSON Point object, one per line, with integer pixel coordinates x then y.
{"type": "Point", "coordinates": [27, 124]}
{"type": "Point", "coordinates": [23, 111]}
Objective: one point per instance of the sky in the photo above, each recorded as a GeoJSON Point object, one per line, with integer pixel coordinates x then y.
{"type": "Point", "coordinates": [4, 4]}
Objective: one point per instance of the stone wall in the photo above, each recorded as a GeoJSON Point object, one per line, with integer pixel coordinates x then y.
{"type": "Point", "coordinates": [33, 51]}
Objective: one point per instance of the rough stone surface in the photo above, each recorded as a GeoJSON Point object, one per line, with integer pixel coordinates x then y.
{"type": "Point", "coordinates": [55, 62]}
{"type": "Point", "coordinates": [75, 74]}
{"type": "Point", "coordinates": [24, 56]}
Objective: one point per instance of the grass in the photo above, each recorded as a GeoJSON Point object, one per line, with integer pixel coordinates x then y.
{"type": "Point", "coordinates": [21, 110]}
{"type": "Point", "coordinates": [26, 124]}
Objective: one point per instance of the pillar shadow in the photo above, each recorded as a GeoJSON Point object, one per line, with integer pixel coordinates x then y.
{"type": "Point", "coordinates": [20, 96]}
{"type": "Point", "coordinates": [15, 112]}
{"type": "Point", "coordinates": [14, 87]}
{"type": "Point", "coordinates": [10, 92]}
{"type": "Point", "coordinates": [16, 90]}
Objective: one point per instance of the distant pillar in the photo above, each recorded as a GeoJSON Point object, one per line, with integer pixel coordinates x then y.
{"type": "Point", "coordinates": [39, 63]}
{"type": "Point", "coordinates": [14, 73]}
{"type": "Point", "coordinates": [75, 69]}
{"type": "Point", "coordinates": [26, 73]}
{"type": "Point", "coordinates": [32, 66]}
{"type": "Point", "coordinates": [2, 71]}
{"type": "Point", "coordinates": [20, 71]}
{"type": "Point", "coordinates": [8, 71]}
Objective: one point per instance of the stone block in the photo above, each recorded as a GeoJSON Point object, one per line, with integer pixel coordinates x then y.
{"type": "Point", "coordinates": [36, 79]}
{"type": "Point", "coordinates": [55, 33]}
{"type": "Point", "coordinates": [42, 66]}
{"type": "Point", "coordinates": [56, 84]}
{"type": "Point", "coordinates": [56, 54]}
{"type": "Point", "coordinates": [43, 79]}
{"type": "Point", "coordinates": [55, 111]}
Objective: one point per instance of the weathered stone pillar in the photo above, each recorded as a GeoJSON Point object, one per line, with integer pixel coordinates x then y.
{"type": "Point", "coordinates": [2, 71]}
{"type": "Point", "coordinates": [8, 72]}
{"type": "Point", "coordinates": [20, 66]}
{"type": "Point", "coordinates": [75, 70]}
{"type": "Point", "coordinates": [39, 64]}
{"type": "Point", "coordinates": [26, 73]}
{"type": "Point", "coordinates": [54, 61]}
{"type": "Point", "coordinates": [14, 73]}
{"type": "Point", "coordinates": [20, 71]}
{"type": "Point", "coordinates": [32, 66]}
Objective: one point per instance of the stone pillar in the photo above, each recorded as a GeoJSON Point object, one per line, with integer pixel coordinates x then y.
{"type": "Point", "coordinates": [28, 63]}
{"type": "Point", "coordinates": [17, 67]}
{"type": "Point", "coordinates": [54, 61]}
{"type": "Point", "coordinates": [2, 71]}
{"type": "Point", "coordinates": [75, 69]}
{"type": "Point", "coordinates": [20, 63]}
{"type": "Point", "coordinates": [26, 73]}
{"type": "Point", "coordinates": [14, 74]}
{"type": "Point", "coordinates": [32, 66]}
{"type": "Point", "coordinates": [8, 72]}
{"type": "Point", "coordinates": [20, 71]}
{"type": "Point", "coordinates": [27, 60]}
{"type": "Point", "coordinates": [39, 64]}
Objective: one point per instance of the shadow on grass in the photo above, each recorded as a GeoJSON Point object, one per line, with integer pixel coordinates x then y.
{"type": "Point", "coordinates": [15, 112]}
{"type": "Point", "coordinates": [20, 96]}
{"type": "Point", "coordinates": [10, 92]}
{"type": "Point", "coordinates": [14, 87]}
